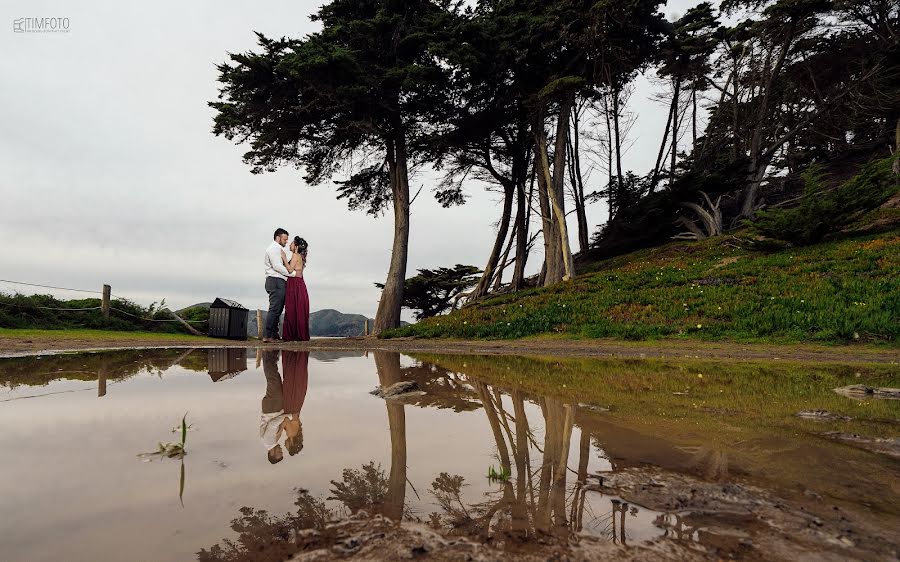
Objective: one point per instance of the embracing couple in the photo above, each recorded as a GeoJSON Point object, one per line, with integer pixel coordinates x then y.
{"type": "Point", "coordinates": [286, 288]}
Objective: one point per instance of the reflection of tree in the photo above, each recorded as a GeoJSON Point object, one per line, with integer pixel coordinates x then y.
{"type": "Point", "coordinates": [389, 372]}
{"type": "Point", "coordinates": [442, 388]}
{"type": "Point", "coordinates": [674, 526]}
{"type": "Point", "coordinates": [362, 489]}
{"type": "Point", "coordinates": [106, 365]}
{"type": "Point", "coordinates": [534, 502]}
{"type": "Point", "coordinates": [540, 502]}
{"type": "Point", "coordinates": [264, 537]}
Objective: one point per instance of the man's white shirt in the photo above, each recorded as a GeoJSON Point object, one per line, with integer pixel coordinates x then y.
{"type": "Point", "coordinates": [274, 266]}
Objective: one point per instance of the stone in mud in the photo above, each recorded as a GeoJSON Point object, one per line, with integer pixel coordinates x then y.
{"type": "Point", "coordinates": [396, 389]}
{"type": "Point", "coordinates": [862, 392]}
{"type": "Point", "coordinates": [594, 407]}
{"type": "Point", "coordinates": [822, 415]}
{"type": "Point", "coordinates": [890, 446]}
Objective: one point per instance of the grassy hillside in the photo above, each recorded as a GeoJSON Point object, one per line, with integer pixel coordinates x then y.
{"type": "Point", "coordinates": [721, 288]}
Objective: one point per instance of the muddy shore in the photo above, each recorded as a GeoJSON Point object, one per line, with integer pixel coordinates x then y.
{"type": "Point", "coordinates": [667, 349]}
{"type": "Point", "coordinates": [705, 521]}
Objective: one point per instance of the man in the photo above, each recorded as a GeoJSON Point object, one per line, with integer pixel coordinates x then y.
{"type": "Point", "coordinates": [276, 284]}
{"type": "Point", "coordinates": [272, 420]}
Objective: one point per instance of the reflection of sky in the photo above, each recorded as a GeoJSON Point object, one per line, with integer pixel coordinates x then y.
{"type": "Point", "coordinates": [71, 481]}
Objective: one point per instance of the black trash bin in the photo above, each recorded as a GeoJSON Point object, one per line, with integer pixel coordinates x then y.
{"type": "Point", "coordinates": [228, 319]}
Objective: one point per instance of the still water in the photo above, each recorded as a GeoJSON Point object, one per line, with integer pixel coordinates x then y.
{"type": "Point", "coordinates": [292, 432]}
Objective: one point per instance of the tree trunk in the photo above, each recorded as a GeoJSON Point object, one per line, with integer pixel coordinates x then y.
{"type": "Point", "coordinates": [504, 259]}
{"type": "Point", "coordinates": [756, 169]}
{"type": "Point", "coordinates": [557, 194]}
{"type": "Point", "coordinates": [388, 315]}
{"type": "Point", "coordinates": [694, 116]}
{"type": "Point", "coordinates": [611, 212]}
{"type": "Point", "coordinates": [734, 111]}
{"type": "Point", "coordinates": [523, 216]}
{"type": "Point", "coordinates": [484, 283]}
{"type": "Point", "coordinates": [578, 182]}
{"type": "Point", "coordinates": [662, 145]}
{"type": "Point", "coordinates": [618, 139]}
{"type": "Point", "coordinates": [553, 269]}
{"type": "Point", "coordinates": [674, 154]}
{"type": "Point", "coordinates": [896, 166]}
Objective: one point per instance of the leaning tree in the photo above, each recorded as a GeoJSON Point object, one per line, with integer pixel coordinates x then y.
{"type": "Point", "coordinates": [349, 104]}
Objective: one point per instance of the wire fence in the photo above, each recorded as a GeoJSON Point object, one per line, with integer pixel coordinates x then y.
{"type": "Point", "coordinates": [49, 287]}
{"type": "Point", "coordinates": [67, 309]}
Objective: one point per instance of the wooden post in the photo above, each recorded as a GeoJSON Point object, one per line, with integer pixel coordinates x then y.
{"type": "Point", "coordinates": [260, 329]}
{"type": "Point", "coordinates": [101, 381]}
{"type": "Point", "coordinates": [184, 323]}
{"type": "Point", "coordinates": [366, 328]}
{"type": "Point", "coordinates": [104, 304]}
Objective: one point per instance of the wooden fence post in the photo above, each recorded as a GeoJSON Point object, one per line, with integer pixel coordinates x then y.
{"type": "Point", "coordinates": [104, 304]}
{"type": "Point", "coordinates": [260, 329]}
{"type": "Point", "coordinates": [101, 380]}
{"type": "Point", "coordinates": [366, 330]}
{"type": "Point", "coordinates": [184, 323]}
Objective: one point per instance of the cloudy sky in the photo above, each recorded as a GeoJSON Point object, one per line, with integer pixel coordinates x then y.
{"type": "Point", "coordinates": [110, 173]}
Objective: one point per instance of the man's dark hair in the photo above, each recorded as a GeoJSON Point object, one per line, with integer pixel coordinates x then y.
{"type": "Point", "coordinates": [279, 232]}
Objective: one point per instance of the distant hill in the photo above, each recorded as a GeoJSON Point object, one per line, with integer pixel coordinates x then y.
{"type": "Point", "coordinates": [198, 305]}
{"type": "Point", "coordinates": [322, 323]}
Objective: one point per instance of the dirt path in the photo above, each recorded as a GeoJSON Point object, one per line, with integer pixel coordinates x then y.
{"type": "Point", "coordinates": [671, 349]}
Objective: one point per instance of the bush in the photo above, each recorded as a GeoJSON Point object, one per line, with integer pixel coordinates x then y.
{"type": "Point", "coordinates": [48, 312]}
{"type": "Point", "coordinates": [825, 210]}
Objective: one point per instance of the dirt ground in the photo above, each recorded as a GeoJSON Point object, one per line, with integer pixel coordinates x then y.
{"type": "Point", "coordinates": [670, 349]}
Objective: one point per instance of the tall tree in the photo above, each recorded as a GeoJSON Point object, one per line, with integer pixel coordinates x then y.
{"type": "Point", "coordinates": [353, 97]}
{"type": "Point", "coordinates": [684, 60]}
{"type": "Point", "coordinates": [485, 135]}
{"type": "Point", "coordinates": [435, 291]}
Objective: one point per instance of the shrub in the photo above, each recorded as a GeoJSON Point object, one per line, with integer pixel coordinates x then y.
{"type": "Point", "coordinates": [824, 210]}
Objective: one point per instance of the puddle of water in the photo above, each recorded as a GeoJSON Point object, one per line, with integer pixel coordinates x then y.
{"type": "Point", "coordinates": [74, 488]}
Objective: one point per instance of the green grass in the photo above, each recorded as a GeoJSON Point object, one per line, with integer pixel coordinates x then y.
{"type": "Point", "coordinates": [718, 289]}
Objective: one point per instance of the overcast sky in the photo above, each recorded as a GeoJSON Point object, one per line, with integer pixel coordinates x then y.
{"type": "Point", "coordinates": [110, 173]}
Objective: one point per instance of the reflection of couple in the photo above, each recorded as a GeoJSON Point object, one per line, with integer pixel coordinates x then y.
{"type": "Point", "coordinates": [282, 402]}
{"type": "Point", "coordinates": [286, 288]}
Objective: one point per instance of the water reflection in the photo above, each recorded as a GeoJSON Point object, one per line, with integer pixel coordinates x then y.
{"type": "Point", "coordinates": [282, 402]}
{"type": "Point", "coordinates": [552, 494]}
{"type": "Point", "coordinates": [225, 363]}
{"type": "Point", "coordinates": [421, 458]}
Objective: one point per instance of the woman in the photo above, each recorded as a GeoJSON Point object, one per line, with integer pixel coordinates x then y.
{"type": "Point", "coordinates": [296, 381]}
{"type": "Point", "coordinates": [296, 302]}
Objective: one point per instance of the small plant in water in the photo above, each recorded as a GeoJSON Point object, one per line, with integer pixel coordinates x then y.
{"type": "Point", "coordinates": [502, 476]}
{"type": "Point", "coordinates": [171, 450]}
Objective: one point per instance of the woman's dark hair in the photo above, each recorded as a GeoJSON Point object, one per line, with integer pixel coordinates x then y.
{"type": "Point", "coordinates": [301, 245]}
{"type": "Point", "coordinates": [295, 444]}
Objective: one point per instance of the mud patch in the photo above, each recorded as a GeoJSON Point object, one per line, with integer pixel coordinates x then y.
{"type": "Point", "coordinates": [743, 521]}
